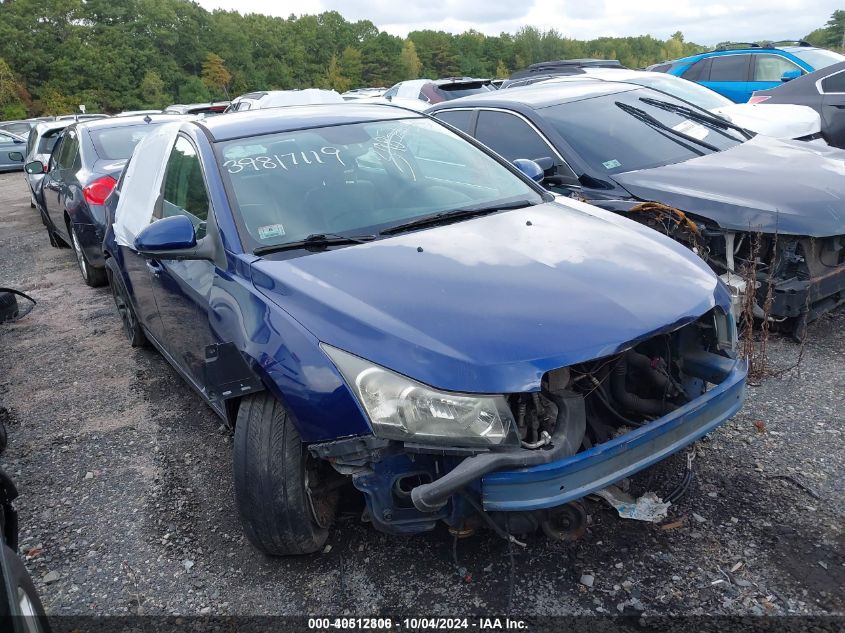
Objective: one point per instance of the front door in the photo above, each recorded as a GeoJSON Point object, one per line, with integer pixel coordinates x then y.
{"type": "Point", "coordinates": [183, 288]}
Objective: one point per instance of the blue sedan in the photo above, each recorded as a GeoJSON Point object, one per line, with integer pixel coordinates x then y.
{"type": "Point", "coordinates": [371, 298]}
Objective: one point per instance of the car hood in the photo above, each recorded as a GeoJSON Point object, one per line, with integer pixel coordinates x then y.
{"type": "Point", "coordinates": [776, 120]}
{"type": "Point", "coordinates": [764, 184]}
{"type": "Point", "coordinates": [491, 304]}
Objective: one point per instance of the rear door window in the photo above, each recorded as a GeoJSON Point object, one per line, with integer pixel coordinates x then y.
{"type": "Point", "coordinates": [68, 151]}
{"type": "Point", "coordinates": [834, 83]}
{"type": "Point", "coordinates": [729, 68]}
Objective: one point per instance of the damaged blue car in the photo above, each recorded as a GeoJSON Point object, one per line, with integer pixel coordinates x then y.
{"type": "Point", "coordinates": [368, 297]}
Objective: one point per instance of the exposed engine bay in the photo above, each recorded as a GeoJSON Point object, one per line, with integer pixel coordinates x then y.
{"type": "Point", "coordinates": [796, 278]}
{"type": "Point", "coordinates": [410, 487]}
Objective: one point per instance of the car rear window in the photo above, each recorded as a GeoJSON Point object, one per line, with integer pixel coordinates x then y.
{"type": "Point", "coordinates": [118, 143]}
{"type": "Point", "coordinates": [48, 141]}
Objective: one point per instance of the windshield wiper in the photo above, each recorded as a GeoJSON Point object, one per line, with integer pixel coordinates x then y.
{"type": "Point", "coordinates": [315, 240]}
{"type": "Point", "coordinates": [456, 214]}
{"type": "Point", "coordinates": [718, 123]}
{"type": "Point", "coordinates": [645, 117]}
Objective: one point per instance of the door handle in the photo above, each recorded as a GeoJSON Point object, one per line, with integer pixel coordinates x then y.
{"type": "Point", "coordinates": [154, 267]}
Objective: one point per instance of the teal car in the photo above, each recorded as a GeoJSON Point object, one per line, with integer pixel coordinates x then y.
{"type": "Point", "coordinates": [737, 70]}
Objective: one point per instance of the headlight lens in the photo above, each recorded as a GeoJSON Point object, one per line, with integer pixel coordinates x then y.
{"type": "Point", "coordinates": [400, 408]}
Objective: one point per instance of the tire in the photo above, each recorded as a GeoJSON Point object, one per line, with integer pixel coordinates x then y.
{"type": "Point", "coordinates": [128, 317]}
{"type": "Point", "coordinates": [8, 307]}
{"type": "Point", "coordinates": [270, 471]}
{"type": "Point", "coordinates": [21, 590]}
{"type": "Point", "coordinates": [94, 277]}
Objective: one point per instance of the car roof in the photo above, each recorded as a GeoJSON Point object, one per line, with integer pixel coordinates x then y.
{"type": "Point", "coordinates": [543, 95]}
{"type": "Point", "coordinates": [125, 121]}
{"type": "Point", "coordinates": [750, 47]}
{"type": "Point", "coordinates": [285, 119]}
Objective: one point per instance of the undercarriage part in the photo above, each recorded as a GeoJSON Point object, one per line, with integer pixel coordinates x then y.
{"type": "Point", "coordinates": [565, 523]}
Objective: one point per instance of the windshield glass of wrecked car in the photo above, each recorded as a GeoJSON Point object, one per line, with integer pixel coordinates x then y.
{"type": "Point", "coordinates": [626, 131]}
{"type": "Point", "coordinates": [358, 178]}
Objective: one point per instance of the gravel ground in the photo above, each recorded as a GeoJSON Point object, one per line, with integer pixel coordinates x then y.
{"type": "Point", "coordinates": [127, 498]}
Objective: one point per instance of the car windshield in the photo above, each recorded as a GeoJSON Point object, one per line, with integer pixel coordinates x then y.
{"type": "Point", "coordinates": [358, 178]}
{"type": "Point", "coordinates": [118, 143]}
{"type": "Point", "coordinates": [683, 89]}
{"type": "Point", "coordinates": [818, 57]}
{"type": "Point", "coordinates": [610, 135]}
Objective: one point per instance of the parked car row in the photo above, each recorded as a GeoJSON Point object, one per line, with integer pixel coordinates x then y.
{"type": "Point", "coordinates": [476, 315]}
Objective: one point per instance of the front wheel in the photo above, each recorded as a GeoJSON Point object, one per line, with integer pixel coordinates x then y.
{"type": "Point", "coordinates": [285, 497]}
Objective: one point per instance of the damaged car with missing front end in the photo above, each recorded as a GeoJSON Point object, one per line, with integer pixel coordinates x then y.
{"type": "Point", "coordinates": [368, 298]}
{"type": "Point", "coordinates": [766, 214]}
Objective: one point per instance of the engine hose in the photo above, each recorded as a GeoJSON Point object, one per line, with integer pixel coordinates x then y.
{"type": "Point", "coordinates": [631, 401]}
{"type": "Point", "coordinates": [600, 393]}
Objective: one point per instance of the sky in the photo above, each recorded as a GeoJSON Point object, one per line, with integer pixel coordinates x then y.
{"type": "Point", "coordinates": [701, 21]}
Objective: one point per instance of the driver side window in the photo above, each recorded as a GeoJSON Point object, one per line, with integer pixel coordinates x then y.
{"type": "Point", "coordinates": [184, 187]}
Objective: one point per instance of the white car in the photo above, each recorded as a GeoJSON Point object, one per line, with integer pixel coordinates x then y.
{"type": "Point", "coordinates": [780, 121]}
{"type": "Point", "coordinates": [280, 98]}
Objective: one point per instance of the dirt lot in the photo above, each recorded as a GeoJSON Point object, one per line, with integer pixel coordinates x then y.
{"type": "Point", "coordinates": [127, 497]}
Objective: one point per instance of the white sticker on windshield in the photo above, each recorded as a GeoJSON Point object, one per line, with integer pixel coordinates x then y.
{"type": "Point", "coordinates": [289, 160]}
{"type": "Point", "coordinates": [271, 230]}
{"type": "Point", "coordinates": [691, 128]}
{"type": "Point", "coordinates": [611, 164]}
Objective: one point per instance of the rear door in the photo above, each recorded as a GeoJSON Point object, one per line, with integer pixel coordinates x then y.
{"type": "Point", "coordinates": [832, 90]}
{"type": "Point", "coordinates": [182, 288]}
{"type": "Point", "coordinates": [54, 188]}
{"type": "Point", "coordinates": [729, 76]}
{"type": "Point", "coordinates": [767, 70]}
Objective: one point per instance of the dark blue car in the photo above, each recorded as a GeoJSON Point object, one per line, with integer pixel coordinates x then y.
{"type": "Point", "coordinates": [368, 296]}
{"type": "Point", "coordinates": [83, 167]}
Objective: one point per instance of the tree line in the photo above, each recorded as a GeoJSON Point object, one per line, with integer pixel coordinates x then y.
{"type": "Point", "coordinates": [134, 54]}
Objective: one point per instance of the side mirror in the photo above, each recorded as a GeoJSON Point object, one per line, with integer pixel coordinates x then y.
{"type": "Point", "coordinates": [35, 167]}
{"type": "Point", "coordinates": [18, 141]}
{"type": "Point", "coordinates": [789, 75]}
{"type": "Point", "coordinates": [530, 168]}
{"type": "Point", "coordinates": [16, 156]}
{"type": "Point", "coordinates": [168, 238]}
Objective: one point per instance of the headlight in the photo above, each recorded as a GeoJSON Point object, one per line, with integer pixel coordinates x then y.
{"type": "Point", "coordinates": [725, 330]}
{"type": "Point", "coordinates": [403, 409]}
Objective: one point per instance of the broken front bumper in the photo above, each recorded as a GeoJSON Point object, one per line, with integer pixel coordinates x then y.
{"type": "Point", "coordinates": [816, 295]}
{"type": "Point", "coordinates": [565, 480]}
